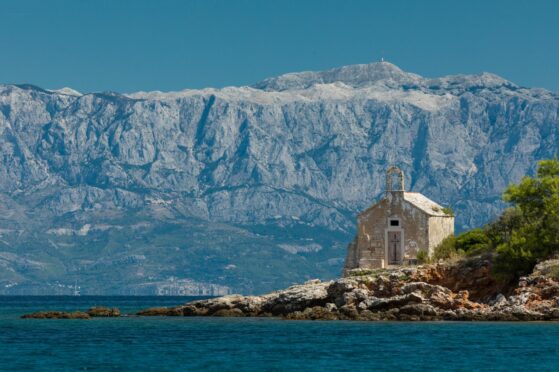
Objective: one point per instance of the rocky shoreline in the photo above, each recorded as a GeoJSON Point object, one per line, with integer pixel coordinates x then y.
{"type": "Point", "coordinates": [461, 291]}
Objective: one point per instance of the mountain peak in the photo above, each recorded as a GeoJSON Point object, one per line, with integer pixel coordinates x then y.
{"type": "Point", "coordinates": [67, 91]}
{"type": "Point", "coordinates": [353, 75]}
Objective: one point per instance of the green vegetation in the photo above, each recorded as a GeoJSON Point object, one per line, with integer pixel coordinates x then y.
{"type": "Point", "coordinates": [525, 233]}
{"type": "Point", "coordinates": [473, 242]}
{"type": "Point", "coordinates": [423, 257]}
{"type": "Point", "coordinates": [534, 234]}
{"type": "Point", "coordinates": [448, 211]}
{"type": "Point", "coordinates": [366, 272]}
{"type": "Point", "coordinates": [551, 270]}
{"type": "Point", "coordinates": [553, 273]}
{"type": "Point", "coordinates": [446, 250]}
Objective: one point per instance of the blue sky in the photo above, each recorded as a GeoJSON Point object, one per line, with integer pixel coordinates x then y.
{"type": "Point", "coordinates": [171, 45]}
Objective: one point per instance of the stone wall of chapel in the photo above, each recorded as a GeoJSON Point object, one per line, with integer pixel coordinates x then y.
{"type": "Point", "coordinates": [373, 222]}
{"type": "Point", "coordinates": [439, 228]}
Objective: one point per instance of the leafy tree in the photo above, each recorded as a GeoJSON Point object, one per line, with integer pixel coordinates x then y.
{"type": "Point", "coordinates": [500, 230]}
{"type": "Point", "coordinates": [534, 224]}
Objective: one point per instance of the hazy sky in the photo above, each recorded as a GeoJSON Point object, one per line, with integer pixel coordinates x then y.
{"type": "Point", "coordinates": [171, 45]}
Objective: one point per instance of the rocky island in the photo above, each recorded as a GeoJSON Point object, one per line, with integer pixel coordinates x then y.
{"type": "Point", "coordinates": [465, 290]}
{"type": "Point", "coordinates": [462, 290]}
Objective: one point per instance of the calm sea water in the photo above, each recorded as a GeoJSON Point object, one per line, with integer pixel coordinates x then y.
{"type": "Point", "coordinates": [179, 344]}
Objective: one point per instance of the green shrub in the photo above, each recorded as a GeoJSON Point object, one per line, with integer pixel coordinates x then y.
{"type": "Point", "coordinates": [423, 257]}
{"type": "Point", "coordinates": [551, 271]}
{"type": "Point", "coordinates": [446, 249]}
{"type": "Point", "coordinates": [448, 211]}
{"type": "Point", "coordinates": [473, 242]}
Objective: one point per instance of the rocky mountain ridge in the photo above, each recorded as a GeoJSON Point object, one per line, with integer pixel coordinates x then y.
{"type": "Point", "coordinates": [250, 188]}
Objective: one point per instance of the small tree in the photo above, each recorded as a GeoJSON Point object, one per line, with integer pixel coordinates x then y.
{"type": "Point", "coordinates": [500, 230]}
{"type": "Point", "coordinates": [534, 224]}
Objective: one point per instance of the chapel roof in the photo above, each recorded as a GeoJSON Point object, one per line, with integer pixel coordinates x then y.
{"type": "Point", "coordinates": [424, 203]}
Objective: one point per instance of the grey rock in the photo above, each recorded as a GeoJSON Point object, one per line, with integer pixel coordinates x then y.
{"type": "Point", "coordinates": [349, 312]}
{"type": "Point", "coordinates": [338, 289]}
{"type": "Point", "coordinates": [419, 309]}
{"type": "Point", "coordinates": [246, 304]}
{"type": "Point", "coordinates": [364, 305]}
{"type": "Point", "coordinates": [424, 287]}
{"type": "Point", "coordinates": [499, 301]}
{"type": "Point", "coordinates": [296, 298]}
{"type": "Point", "coordinates": [231, 313]}
{"type": "Point", "coordinates": [395, 302]}
{"type": "Point", "coordinates": [356, 296]}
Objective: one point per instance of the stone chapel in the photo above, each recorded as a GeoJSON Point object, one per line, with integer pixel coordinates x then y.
{"type": "Point", "coordinates": [393, 230]}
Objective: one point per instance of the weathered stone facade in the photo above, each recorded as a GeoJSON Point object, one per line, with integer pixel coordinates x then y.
{"type": "Point", "coordinates": [392, 231]}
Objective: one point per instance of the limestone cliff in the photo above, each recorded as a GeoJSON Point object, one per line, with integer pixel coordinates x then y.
{"type": "Point", "coordinates": [244, 189]}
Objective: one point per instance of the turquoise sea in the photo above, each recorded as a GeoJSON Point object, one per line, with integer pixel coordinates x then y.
{"type": "Point", "coordinates": [258, 344]}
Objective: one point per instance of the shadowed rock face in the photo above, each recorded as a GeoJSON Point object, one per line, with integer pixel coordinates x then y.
{"type": "Point", "coordinates": [244, 189]}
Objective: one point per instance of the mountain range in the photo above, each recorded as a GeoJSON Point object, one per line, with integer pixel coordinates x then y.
{"type": "Point", "coordinates": [245, 189]}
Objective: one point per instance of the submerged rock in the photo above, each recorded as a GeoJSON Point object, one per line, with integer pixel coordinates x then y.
{"type": "Point", "coordinates": [94, 312]}
{"type": "Point", "coordinates": [161, 311]}
{"type": "Point", "coordinates": [100, 311]}
{"type": "Point", "coordinates": [57, 315]}
{"type": "Point", "coordinates": [313, 313]}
